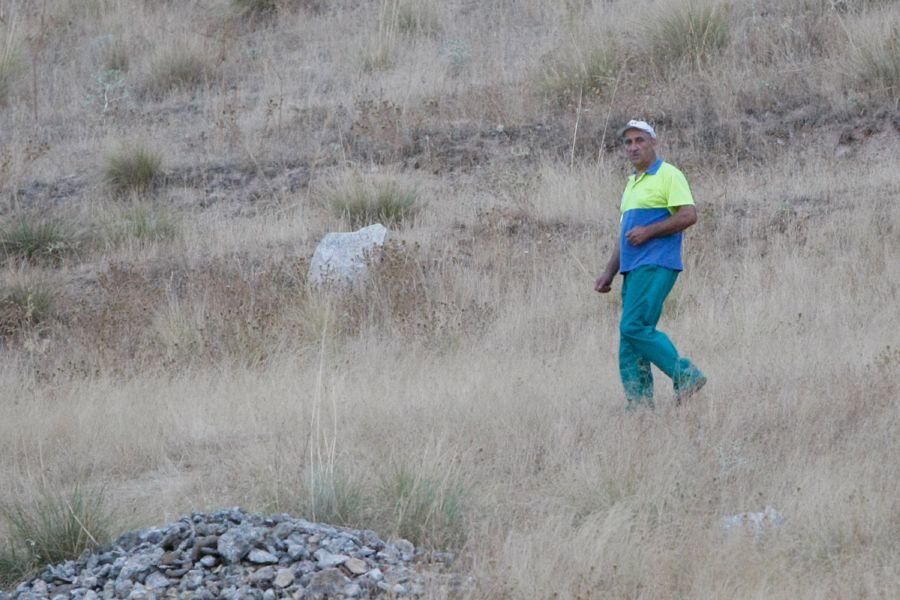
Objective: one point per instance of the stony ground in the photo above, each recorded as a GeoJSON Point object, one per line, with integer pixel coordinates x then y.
{"type": "Point", "coordinates": [234, 554]}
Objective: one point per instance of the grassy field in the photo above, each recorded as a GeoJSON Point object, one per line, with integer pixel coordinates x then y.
{"type": "Point", "coordinates": [167, 168]}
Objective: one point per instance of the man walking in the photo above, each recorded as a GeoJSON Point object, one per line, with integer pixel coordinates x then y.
{"type": "Point", "coordinates": [656, 207]}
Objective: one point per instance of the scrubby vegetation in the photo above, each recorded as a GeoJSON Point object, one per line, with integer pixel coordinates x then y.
{"type": "Point", "coordinates": [362, 200]}
{"type": "Point", "coordinates": [132, 168]}
{"type": "Point", "coordinates": [24, 305]}
{"type": "Point", "coordinates": [34, 239]}
{"type": "Point", "coordinates": [51, 527]}
{"type": "Point", "coordinates": [688, 34]}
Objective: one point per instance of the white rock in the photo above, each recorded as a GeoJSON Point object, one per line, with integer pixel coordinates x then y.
{"type": "Point", "coordinates": [356, 566]}
{"type": "Point", "coordinates": [342, 259]}
{"type": "Point", "coordinates": [327, 560]}
{"type": "Point", "coordinates": [284, 578]}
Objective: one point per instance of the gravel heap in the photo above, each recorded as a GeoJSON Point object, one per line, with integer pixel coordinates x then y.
{"type": "Point", "coordinates": [234, 554]}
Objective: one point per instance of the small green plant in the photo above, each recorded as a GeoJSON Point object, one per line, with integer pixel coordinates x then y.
{"type": "Point", "coordinates": [424, 510]}
{"type": "Point", "coordinates": [363, 201]}
{"type": "Point", "coordinates": [23, 305]}
{"type": "Point", "coordinates": [875, 59]}
{"type": "Point", "coordinates": [591, 70]}
{"type": "Point", "coordinates": [54, 527]}
{"type": "Point", "coordinates": [332, 497]}
{"type": "Point", "coordinates": [142, 223]}
{"type": "Point", "coordinates": [690, 33]}
{"type": "Point", "coordinates": [35, 240]}
{"type": "Point", "coordinates": [132, 168]}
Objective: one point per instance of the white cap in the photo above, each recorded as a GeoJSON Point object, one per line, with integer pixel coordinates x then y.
{"type": "Point", "coordinates": [642, 125]}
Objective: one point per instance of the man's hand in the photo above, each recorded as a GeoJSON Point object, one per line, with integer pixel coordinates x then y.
{"type": "Point", "coordinates": [638, 235]}
{"type": "Point", "coordinates": [604, 283]}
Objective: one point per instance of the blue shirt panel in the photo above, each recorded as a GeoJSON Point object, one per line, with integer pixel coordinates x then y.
{"type": "Point", "coordinates": [660, 251]}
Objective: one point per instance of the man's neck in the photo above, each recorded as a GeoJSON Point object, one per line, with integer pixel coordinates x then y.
{"type": "Point", "coordinates": [643, 168]}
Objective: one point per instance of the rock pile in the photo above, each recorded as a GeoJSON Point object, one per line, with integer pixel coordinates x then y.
{"type": "Point", "coordinates": [234, 554]}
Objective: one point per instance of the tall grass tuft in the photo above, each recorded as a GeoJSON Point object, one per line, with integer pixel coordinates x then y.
{"type": "Point", "coordinates": [874, 57]}
{"type": "Point", "coordinates": [14, 566]}
{"type": "Point", "coordinates": [33, 241]}
{"type": "Point", "coordinates": [417, 17]}
{"type": "Point", "coordinates": [116, 57]}
{"type": "Point", "coordinates": [141, 223]}
{"type": "Point", "coordinates": [379, 53]}
{"type": "Point", "coordinates": [688, 34]}
{"type": "Point", "coordinates": [331, 497]}
{"type": "Point", "coordinates": [11, 66]}
{"type": "Point", "coordinates": [132, 168]}
{"type": "Point", "coordinates": [362, 201]}
{"type": "Point", "coordinates": [590, 69]}
{"type": "Point", "coordinates": [427, 511]}
{"type": "Point", "coordinates": [255, 7]}
{"type": "Point", "coordinates": [180, 67]}
{"type": "Point", "coordinates": [54, 527]}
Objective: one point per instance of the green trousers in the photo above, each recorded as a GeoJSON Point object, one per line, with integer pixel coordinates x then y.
{"type": "Point", "coordinates": [640, 344]}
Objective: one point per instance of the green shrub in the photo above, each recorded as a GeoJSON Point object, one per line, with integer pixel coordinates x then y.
{"type": "Point", "coordinates": [52, 528]}
{"type": "Point", "coordinates": [689, 33]}
{"type": "Point", "coordinates": [425, 511]}
{"type": "Point", "coordinates": [41, 240]}
{"type": "Point", "coordinates": [363, 201]}
{"type": "Point", "coordinates": [132, 168]}
{"type": "Point", "coordinates": [591, 70]}
{"type": "Point", "coordinates": [332, 497]}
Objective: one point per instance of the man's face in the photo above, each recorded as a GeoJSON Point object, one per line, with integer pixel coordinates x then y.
{"type": "Point", "coordinates": [640, 148]}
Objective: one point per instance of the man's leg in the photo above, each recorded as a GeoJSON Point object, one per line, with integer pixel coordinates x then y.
{"type": "Point", "coordinates": [634, 369]}
{"type": "Point", "coordinates": [637, 378]}
{"type": "Point", "coordinates": [643, 295]}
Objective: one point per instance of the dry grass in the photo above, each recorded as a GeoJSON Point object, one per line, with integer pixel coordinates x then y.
{"type": "Point", "coordinates": [10, 65]}
{"type": "Point", "coordinates": [468, 397]}
{"type": "Point", "coordinates": [132, 168]}
{"type": "Point", "coordinates": [52, 526]}
{"type": "Point", "coordinates": [874, 60]}
{"type": "Point", "coordinates": [688, 35]}
{"type": "Point", "coordinates": [362, 200]}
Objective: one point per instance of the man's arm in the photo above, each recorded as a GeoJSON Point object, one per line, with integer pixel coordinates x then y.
{"type": "Point", "coordinates": [684, 217]}
{"type": "Point", "coordinates": [604, 282]}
